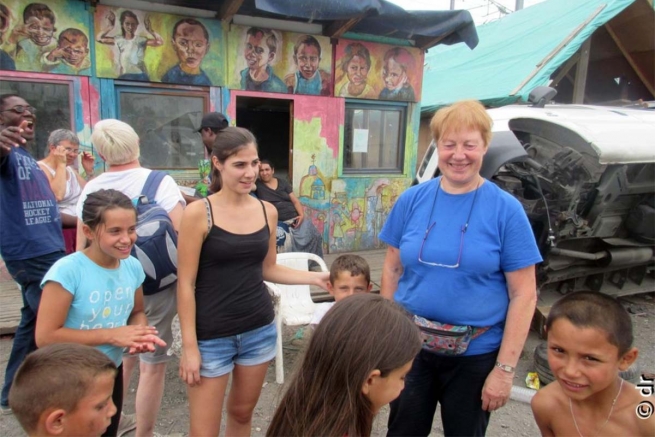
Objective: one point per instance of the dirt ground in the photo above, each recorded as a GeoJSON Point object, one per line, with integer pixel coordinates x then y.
{"type": "Point", "coordinates": [514, 419]}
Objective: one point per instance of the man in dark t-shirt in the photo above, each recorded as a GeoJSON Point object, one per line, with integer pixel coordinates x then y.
{"type": "Point", "coordinates": [305, 236]}
{"type": "Point", "coordinates": [31, 237]}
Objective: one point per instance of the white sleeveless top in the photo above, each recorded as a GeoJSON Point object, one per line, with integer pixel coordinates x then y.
{"type": "Point", "coordinates": [73, 190]}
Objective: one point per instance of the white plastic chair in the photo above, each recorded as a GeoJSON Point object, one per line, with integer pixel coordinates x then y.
{"type": "Point", "coordinates": [293, 303]}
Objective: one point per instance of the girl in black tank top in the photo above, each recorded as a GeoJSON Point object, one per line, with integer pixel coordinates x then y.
{"type": "Point", "coordinates": [226, 249]}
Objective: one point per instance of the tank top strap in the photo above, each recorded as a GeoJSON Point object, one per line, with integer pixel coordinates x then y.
{"type": "Point", "coordinates": [264, 208]}
{"type": "Point", "coordinates": [210, 214]}
{"type": "Point", "coordinates": [50, 169]}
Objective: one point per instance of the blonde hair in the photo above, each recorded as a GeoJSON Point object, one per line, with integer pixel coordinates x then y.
{"type": "Point", "coordinates": [115, 141]}
{"type": "Point", "coordinates": [467, 114]}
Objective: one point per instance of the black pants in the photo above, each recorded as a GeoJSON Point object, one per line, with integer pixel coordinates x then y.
{"type": "Point", "coordinates": [453, 381]}
{"type": "Point", "coordinates": [117, 398]}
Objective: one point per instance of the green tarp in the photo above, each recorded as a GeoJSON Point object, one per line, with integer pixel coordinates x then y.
{"type": "Point", "coordinates": [515, 54]}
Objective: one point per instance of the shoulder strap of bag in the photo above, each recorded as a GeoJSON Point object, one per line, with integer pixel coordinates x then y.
{"type": "Point", "coordinates": [152, 184]}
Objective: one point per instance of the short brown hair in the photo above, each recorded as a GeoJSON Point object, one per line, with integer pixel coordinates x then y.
{"type": "Point", "coordinates": [466, 114]}
{"type": "Point", "coordinates": [55, 376]}
{"type": "Point", "coordinates": [353, 264]}
{"type": "Point", "coordinates": [589, 309]}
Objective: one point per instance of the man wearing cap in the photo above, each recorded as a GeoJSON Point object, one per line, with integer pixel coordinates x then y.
{"type": "Point", "coordinates": [211, 124]}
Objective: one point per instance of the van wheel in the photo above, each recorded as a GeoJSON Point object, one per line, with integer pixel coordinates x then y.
{"type": "Point", "coordinates": [541, 364]}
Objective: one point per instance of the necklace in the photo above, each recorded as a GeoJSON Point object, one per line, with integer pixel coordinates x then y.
{"type": "Point", "coordinates": [608, 416]}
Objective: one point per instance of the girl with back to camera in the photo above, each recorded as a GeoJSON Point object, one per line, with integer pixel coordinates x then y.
{"type": "Point", "coordinates": [355, 364]}
{"type": "Point", "coordinates": [94, 296]}
{"type": "Point", "coordinates": [226, 250]}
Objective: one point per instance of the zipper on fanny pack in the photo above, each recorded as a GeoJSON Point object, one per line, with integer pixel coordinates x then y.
{"type": "Point", "coordinates": [444, 333]}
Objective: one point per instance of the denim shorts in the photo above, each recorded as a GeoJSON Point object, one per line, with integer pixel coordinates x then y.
{"type": "Point", "coordinates": [219, 355]}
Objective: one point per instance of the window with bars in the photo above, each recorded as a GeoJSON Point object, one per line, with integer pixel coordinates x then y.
{"type": "Point", "coordinates": [374, 137]}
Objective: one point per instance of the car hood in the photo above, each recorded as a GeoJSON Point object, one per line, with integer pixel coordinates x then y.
{"type": "Point", "coordinates": [617, 135]}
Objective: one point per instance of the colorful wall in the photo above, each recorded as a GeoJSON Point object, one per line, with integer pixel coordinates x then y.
{"type": "Point", "coordinates": [118, 50]}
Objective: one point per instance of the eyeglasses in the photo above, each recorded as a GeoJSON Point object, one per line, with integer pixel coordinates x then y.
{"type": "Point", "coordinates": [19, 109]}
{"type": "Point", "coordinates": [73, 151]}
{"type": "Point", "coordinates": [461, 239]}
{"type": "Point", "coordinates": [447, 266]}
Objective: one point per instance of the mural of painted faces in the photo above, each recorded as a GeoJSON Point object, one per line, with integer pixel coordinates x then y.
{"type": "Point", "coordinates": [34, 37]}
{"type": "Point", "coordinates": [131, 47]}
{"type": "Point", "coordinates": [397, 62]}
{"type": "Point", "coordinates": [308, 78]}
{"type": "Point", "coordinates": [259, 51]}
{"type": "Point", "coordinates": [356, 64]}
{"type": "Point", "coordinates": [6, 61]}
{"type": "Point", "coordinates": [191, 43]}
{"type": "Point", "coordinates": [70, 55]}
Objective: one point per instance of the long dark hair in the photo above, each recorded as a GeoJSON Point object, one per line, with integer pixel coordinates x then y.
{"type": "Point", "coordinates": [124, 16]}
{"type": "Point", "coordinates": [361, 333]}
{"type": "Point", "coordinates": [229, 141]}
{"type": "Point", "coordinates": [98, 202]}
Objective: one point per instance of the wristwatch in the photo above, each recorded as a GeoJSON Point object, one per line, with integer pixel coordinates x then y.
{"type": "Point", "coordinates": [505, 367]}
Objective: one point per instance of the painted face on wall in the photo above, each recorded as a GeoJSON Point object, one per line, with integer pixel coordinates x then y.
{"type": "Point", "coordinates": [130, 25]}
{"type": "Point", "coordinates": [307, 59]}
{"type": "Point", "coordinates": [40, 30]}
{"type": "Point", "coordinates": [190, 45]}
{"type": "Point", "coordinates": [257, 53]}
{"type": "Point", "coordinates": [75, 50]}
{"type": "Point", "coordinates": [393, 75]}
{"type": "Point", "coordinates": [357, 70]}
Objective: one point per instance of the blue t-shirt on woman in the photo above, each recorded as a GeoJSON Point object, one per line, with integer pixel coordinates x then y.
{"type": "Point", "coordinates": [102, 298]}
{"type": "Point", "coordinates": [499, 239]}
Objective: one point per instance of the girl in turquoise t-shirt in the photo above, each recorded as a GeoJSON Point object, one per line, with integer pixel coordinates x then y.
{"type": "Point", "coordinates": [94, 297]}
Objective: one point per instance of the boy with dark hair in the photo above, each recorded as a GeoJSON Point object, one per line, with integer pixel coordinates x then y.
{"type": "Point", "coordinates": [64, 389]}
{"type": "Point", "coordinates": [260, 52]}
{"type": "Point", "coordinates": [191, 43]}
{"type": "Point", "coordinates": [308, 79]}
{"type": "Point", "coordinates": [589, 342]}
{"type": "Point", "coordinates": [70, 56]}
{"type": "Point", "coordinates": [349, 274]}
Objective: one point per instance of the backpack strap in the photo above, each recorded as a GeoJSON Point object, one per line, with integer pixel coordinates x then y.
{"type": "Point", "coordinates": [152, 184]}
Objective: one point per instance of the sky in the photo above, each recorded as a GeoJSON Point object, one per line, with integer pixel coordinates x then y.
{"type": "Point", "coordinates": [483, 11]}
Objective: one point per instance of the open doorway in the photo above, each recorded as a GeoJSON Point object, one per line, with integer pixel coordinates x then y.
{"type": "Point", "coordinates": [270, 120]}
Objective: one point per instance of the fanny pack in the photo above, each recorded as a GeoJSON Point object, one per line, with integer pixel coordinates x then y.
{"type": "Point", "coordinates": [444, 339]}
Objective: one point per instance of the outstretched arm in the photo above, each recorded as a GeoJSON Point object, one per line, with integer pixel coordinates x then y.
{"type": "Point", "coordinates": [279, 274]}
{"type": "Point", "coordinates": [109, 24]}
{"type": "Point", "coordinates": [156, 40]}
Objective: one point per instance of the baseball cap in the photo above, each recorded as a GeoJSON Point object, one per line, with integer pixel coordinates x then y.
{"type": "Point", "coordinates": [214, 120]}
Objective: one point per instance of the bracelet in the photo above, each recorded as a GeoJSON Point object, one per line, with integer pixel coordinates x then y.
{"type": "Point", "coordinates": [505, 367]}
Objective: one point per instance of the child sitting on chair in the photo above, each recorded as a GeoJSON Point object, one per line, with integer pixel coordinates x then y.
{"type": "Point", "coordinates": [589, 342]}
{"type": "Point", "coordinates": [349, 274]}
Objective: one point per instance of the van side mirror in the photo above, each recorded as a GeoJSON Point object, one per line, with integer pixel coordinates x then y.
{"type": "Point", "coordinates": [541, 95]}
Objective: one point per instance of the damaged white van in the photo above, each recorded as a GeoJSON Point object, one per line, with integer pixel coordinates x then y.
{"type": "Point", "coordinates": [586, 178]}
